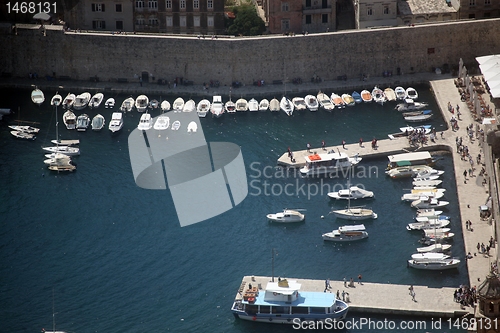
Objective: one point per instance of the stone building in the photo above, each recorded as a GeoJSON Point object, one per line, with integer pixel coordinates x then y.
{"type": "Point", "coordinates": [375, 13]}
{"type": "Point", "coordinates": [418, 11]}
{"type": "Point", "coordinates": [488, 309]}
{"type": "Point", "coordinates": [111, 15]}
{"type": "Point", "coordinates": [476, 9]}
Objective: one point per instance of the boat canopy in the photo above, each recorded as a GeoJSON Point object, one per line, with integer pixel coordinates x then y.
{"type": "Point", "coordinates": [359, 227]}
{"type": "Point", "coordinates": [415, 156]}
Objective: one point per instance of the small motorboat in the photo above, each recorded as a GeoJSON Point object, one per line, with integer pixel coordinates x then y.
{"type": "Point", "coordinates": [299, 103]}
{"type": "Point", "coordinates": [81, 101]}
{"type": "Point", "coordinates": [127, 105]}
{"type": "Point", "coordinates": [116, 122]}
{"type": "Point", "coordinates": [348, 99]}
{"type": "Point", "coordinates": [98, 122]}
{"type": "Point", "coordinates": [178, 104]}
{"type": "Point", "coordinates": [161, 123]}
{"type": "Point", "coordinates": [274, 105]}
{"type": "Point", "coordinates": [189, 106]}
{"type": "Point", "coordinates": [154, 104]}
{"type": "Point", "coordinates": [357, 97]}
{"type": "Point", "coordinates": [69, 120]}
{"type": "Point", "coordinates": [325, 102]}
{"type": "Point", "coordinates": [428, 203]}
{"type": "Point", "coordinates": [366, 96]}
{"type": "Point", "coordinates": [141, 103]}
{"type": "Point", "coordinates": [230, 107]}
{"type": "Point", "coordinates": [56, 100]}
{"type": "Point", "coordinates": [253, 105]}
{"type": "Point", "coordinates": [82, 122]}
{"type": "Point", "coordinates": [351, 193]}
{"type": "Point", "coordinates": [203, 108]}
{"type": "Point", "coordinates": [390, 94]}
{"type": "Point", "coordinates": [217, 107]}
{"type": "Point", "coordinates": [400, 93]}
{"type": "Point", "coordinates": [110, 103]}
{"type": "Point", "coordinates": [241, 105]}
{"type": "Point", "coordinates": [23, 135]}
{"type": "Point", "coordinates": [37, 96]}
{"type": "Point", "coordinates": [68, 101]}
{"type": "Point", "coordinates": [411, 93]}
{"type": "Point", "coordinates": [337, 101]}
{"type": "Point", "coordinates": [25, 129]}
{"type": "Point", "coordinates": [96, 100]}
{"type": "Point", "coordinates": [66, 150]}
{"type": "Point", "coordinates": [378, 96]}
{"type": "Point", "coordinates": [311, 102]}
{"type": "Point", "coordinates": [176, 125]}
{"type": "Point", "coordinates": [263, 105]}
{"type": "Point", "coordinates": [287, 106]}
{"type": "Point", "coordinates": [145, 123]}
{"type": "Point", "coordinates": [286, 216]}
{"type": "Point", "coordinates": [165, 106]}
{"type": "Point", "coordinates": [346, 233]}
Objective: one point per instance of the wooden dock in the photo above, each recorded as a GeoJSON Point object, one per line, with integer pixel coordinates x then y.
{"type": "Point", "coordinates": [379, 298]}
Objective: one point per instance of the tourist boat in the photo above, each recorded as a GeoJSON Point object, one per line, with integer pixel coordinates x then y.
{"type": "Point", "coordinates": [162, 122]}
{"type": "Point", "coordinates": [337, 101]}
{"type": "Point", "coordinates": [66, 150]}
{"type": "Point", "coordinates": [98, 122]}
{"type": "Point", "coordinates": [145, 123]}
{"type": "Point", "coordinates": [407, 171]}
{"type": "Point", "coordinates": [178, 104]}
{"type": "Point", "coordinates": [284, 302]}
{"type": "Point", "coordinates": [274, 105]}
{"type": "Point", "coordinates": [348, 100]}
{"type": "Point", "coordinates": [366, 96]}
{"type": "Point", "coordinates": [176, 125]}
{"type": "Point", "coordinates": [203, 107]}
{"type": "Point", "coordinates": [299, 103]}
{"type": "Point", "coordinates": [141, 103]}
{"type": "Point", "coordinates": [378, 95]}
{"type": "Point", "coordinates": [287, 216]}
{"type": "Point", "coordinates": [37, 96]}
{"type": "Point", "coordinates": [66, 142]}
{"type": "Point", "coordinates": [390, 94]}
{"type": "Point", "coordinates": [311, 102]}
{"type": "Point", "coordinates": [82, 122]}
{"type": "Point", "coordinates": [324, 101]}
{"type": "Point", "coordinates": [357, 97]}
{"type": "Point", "coordinates": [110, 103]}
{"type": "Point", "coordinates": [329, 164]}
{"type": "Point", "coordinates": [127, 105]}
{"type": "Point", "coordinates": [68, 101]}
{"type": "Point", "coordinates": [25, 129]}
{"type": "Point", "coordinates": [433, 261]}
{"type": "Point", "coordinates": [411, 93]}
{"type": "Point", "coordinates": [423, 182]}
{"type": "Point", "coordinates": [253, 105]}
{"type": "Point", "coordinates": [413, 158]}
{"type": "Point", "coordinates": [96, 100]}
{"type": "Point", "coordinates": [400, 93]}
{"type": "Point", "coordinates": [189, 106]}
{"type": "Point", "coordinates": [69, 120]}
{"type": "Point", "coordinates": [436, 248]}
{"type": "Point", "coordinates": [81, 101]}
{"type": "Point", "coordinates": [346, 233]}
{"type": "Point", "coordinates": [56, 100]}
{"type": "Point", "coordinates": [230, 106]}
{"type": "Point", "coordinates": [23, 135]}
{"type": "Point", "coordinates": [424, 223]}
{"type": "Point", "coordinates": [165, 106]}
{"type": "Point", "coordinates": [351, 193]}
{"type": "Point", "coordinates": [116, 122]}
{"type": "Point", "coordinates": [428, 203]}
{"type": "Point", "coordinates": [217, 108]}
{"type": "Point", "coordinates": [410, 105]}
{"type": "Point", "coordinates": [263, 105]}
{"type": "Point", "coordinates": [287, 106]}
{"type": "Point", "coordinates": [154, 104]}
{"type": "Point", "coordinates": [418, 118]}
{"type": "Point", "coordinates": [242, 105]}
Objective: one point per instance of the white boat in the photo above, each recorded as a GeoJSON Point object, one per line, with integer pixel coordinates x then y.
{"type": "Point", "coordinates": [284, 302]}
{"type": "Point", "coordinates": [416, 113]}
{"type": "Point", "coordinates": [110, 103]}
{"type": "Point", "coordinates": [411, 93]}
{"type": "Point", "coordinates": [337, 101]}
{"type": "Point", "coordinates": [23, 135]}
{"type": "Point", "coordinates": [329, 164]}
{"type": "Point", "coordinates": [217, 108]}
{"type": "Point", "coordinates": [165, 106]}
{"type": "Point", "coordinates": [263, 105]}
{"type": "Point", "coordinates": [96, 100]}
{"type": "Point", "coordinates": [82, 122]}
{"type": "Point", "coordinates": [400, 93]}
{"type": "Point", "coordinates": [58, 168]}
{"type": "Point", "coordinates": [66, 150]}
{"type": "Point", "coordinates": [418, 194]}
{"type": "Point", "coordinates": [436, 247]}
{"type": "Point", "coordinates": [25, 129]}
{"type": "Point", "coordinates": [68, 101]}
{"type": "Point", "coordinates": [366, 96]}
{"type": "Point", "coordinates": [407, 171]}
{"type": "Point", "coordinates": [141, 103]}
{"type": "Point", "coordinates": [116, 122]}
{"type": "Point", "coordinates": [355, 213]}
{"type": "Point", "coordinates": [127, 105]}
{"type": "Point", "coordinates": [253, 105]}
{"type": "Point", "coordinates": [98, 122]}
{"type": "Point", "coordinates": [145, 123]}
{"type": "Point", "coordinates": [287, 216]}
{"type": "Point", "coordinates": [357, 97]}
{"type": "Point", "coordinates": [56, 100]}
{"type": "Point", "coordinates": [324, 101]}
{"type": "Point", "coordinates": [192, 127]}
{"type": "Point", "coordinates": [346, 233]}
{"type": "Point", "coordinates": [230, 106]}
{"type": "Point", "coordinates": [410, 105]}
{"type": "Point", "coordinates": [352, 193]}
{"type": "Point", "coordinates": [299, 103]}
{"type": "Point", "coordinates": [287, 106]}
{"type": "Point", "coordinates": [189, 106]}
{"type": "Point", "coordinates": [176, 125]}
{"type": "Point", "coordinates": [162, 122]}
{"type": "Point", "coordinates": [433, 261]}
{"type": "Point", "coordinates": [348, 100]}
{"type": "Point", "coordinates": [441, 233]}
{"type": "Point", "coordinates": [154, 104]}
{"type": "Point", "coordinates": [311, 102]}
{"type": "Point", "coordinates": [57, 158]}
{"type": "Point", "coordinates": [81, 101]}
{"type": "Point", "coordinates": [428, 212]}
{"type": "Point", "coordinates": [241, 105]}
{"type": "Point", "coordinates": [69, 120]}
{"type": "Point", "coordinates": [428, 224]}
{"type": "Point", "coordinates": [390, 94]}
{"type": "Point", "coordinates": [412, 158]}
{"type": "Point", "coordinates": [37, 96]}
{"type": "Point", "coordinates": [418, 118]}
{"type": "Point", "coordinates": [274, 105]}
{"type": "Point", "coordinates": [378, 95]}
{"type": "Point", "coordinates": [423, 182]}
{"type": "Point", "coordinates": [178, 104]}
{"type": "Point", "coordinates": [428, 172]}
{"type": "Point", "coordinates": [66, 142]}
{"type": "Point", "coordinates": [428, 203]}
{"type": "Point", "coordinates": [203, 108]}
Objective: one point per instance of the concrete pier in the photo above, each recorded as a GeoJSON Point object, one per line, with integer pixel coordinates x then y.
{"type": "Point", "coordinates": [379, 298]}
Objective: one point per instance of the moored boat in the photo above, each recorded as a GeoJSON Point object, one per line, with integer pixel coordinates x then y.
{"type": "Point", "coordinates": [324, 101]}
{"type": "Point", "coordinates": [410, 105]}
{"type": "Point", "coordinates": [217, 108]}
{"type": "Point", "coordinates": [81, 101]}
{"type": "Point", "coordinates": [311, 102]}
{"type": "Point", "coordinates": [162, 122]}
{"type": "Point", "coordinates": [178, 104]}
{"type": "Point", "coordinates": [127, 105]}
{"type": "Point", "coordinates": [357, 97]}
{"type": "Point", "coordinates": [287, 106]}
{"type": "Point", "coordinates": [23, 135]}
{"type": "Point", "coordinates": [154, 104]}
{"type": "Point", "coordinates": [110, 103]}
{"type": "Point", "coordinates": [418, 118]}
{"type": "Point", "coordinates": [337, 101]}
{"type": "Point", "coordinates": [98, 122]}
{"type": "Point", "coordinates": [230, 106]}
{"type": "Point", "coordinates": [366, 96]}
{"type": "Point", "coordinates": [145, 123]}
{"type": "Point", "coordinates": [390, 94]}
{"type": "Point", "coordinates": [66, 150]}
{"type": "Point", "coordinates": [189, 106]}
{"type": "Point", "coordinates": [286, 216]}
{"type": "Point", "coordinates": [69, 120]}
{"type": "Point", "coordinates": [437, 247]}
{"type": "Point", "coordinates": [176, 125]}
{"type": "Point", "coordinates": [25, 129]}
{"type": "Point", "coordinates": [96, 100]}
{"type": "Point", "coordinates": [299, 103]}
{"type": "Point", "coordinates": [141, 103]}
{"type": "Point", "coordinates": [428, 203]}
{"type": "Point", "coordinates": [165, 106]}
{"type": "Point", "coordinates": [56, 100]}
{"type": "Point", "coordinates": [346, 233]}
{"type": "Point", "coordinates": [203, 108]}
{"type": "Point", "coordinates": [378, 95]}
{"type": "Point", "coordinates": [82, 122]}
{"type": "Point", "coordinates": [263, 105]}
{"type": "Point", "coordinates": [352, 193]}
{"type": "Point", "coordinates": [400, 93]}
{"type": "Point", "coordinates": [68, 101]}
{"type": "Point", "coordinates": [37, 96]}
{"type": "Point", "coordinates": [329, 163]}
{"type": "Point", "coordinates": [411, 93]}
{"type": "Point", "coordinates": [355, 213]}
{"type": "Point", "coordinates": [274, 105]}
{"type": "Point", "coordinates": [433, 261]}
{"type": "Point", "coordinates": [116, 122]}
{"type": "Point", "coordinates": [241, 105]}
{"type": "Point", "coordinates": [348, 100]}
{"type": "Point", "coordinates": [253, 105]}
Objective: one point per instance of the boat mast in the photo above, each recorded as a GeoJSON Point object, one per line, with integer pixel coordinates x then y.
{"type": "Point", "coordinates": [272, 264]}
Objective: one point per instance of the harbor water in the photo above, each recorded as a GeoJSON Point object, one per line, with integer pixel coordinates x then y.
{"type": "Point", "coordinates": [112, 257]}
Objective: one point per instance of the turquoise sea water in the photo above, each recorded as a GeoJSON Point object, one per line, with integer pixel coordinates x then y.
{"type": "Point", "coordinates": [117, 260]}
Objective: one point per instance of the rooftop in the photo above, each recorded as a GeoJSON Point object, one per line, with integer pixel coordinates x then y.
{"type": "Point", "coordinates": [416, 7]}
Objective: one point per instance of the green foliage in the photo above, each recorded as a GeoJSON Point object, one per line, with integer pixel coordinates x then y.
{"type": "Point", "coordinates": [247, 22]}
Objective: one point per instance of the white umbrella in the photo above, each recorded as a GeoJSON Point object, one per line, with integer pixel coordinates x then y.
{"type": "Point", "coordinates": [460, 67]}
{"type": "Point", "coordinates": [42, 16]}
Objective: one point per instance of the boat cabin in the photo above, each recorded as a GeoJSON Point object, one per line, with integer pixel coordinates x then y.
{"type": "Point", "coordinates": [406, 159]}
{"type": "Point", "coordinates": [329, 162]}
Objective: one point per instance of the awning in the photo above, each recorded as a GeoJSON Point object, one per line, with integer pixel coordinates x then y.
{"type": "Point", "coordinates": [490, 68]}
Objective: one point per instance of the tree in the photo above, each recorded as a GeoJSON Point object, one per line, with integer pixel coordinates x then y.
{"type": "Point", "coordinates": [247, 22]}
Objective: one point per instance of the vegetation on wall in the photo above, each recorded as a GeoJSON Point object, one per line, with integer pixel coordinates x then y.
{"type": "Point", "coordinates": [246, 23]}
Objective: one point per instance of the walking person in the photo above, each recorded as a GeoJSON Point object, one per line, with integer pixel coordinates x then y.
{"type": "Point", "coordinates": [308, 147]}
{"type": "Point", "coordinates": [345, 281]}
{"type": "Point", "coordinates": [361, 142]}
{"type": "Point", "coordinates": [359, 279]}
{"type": "Point", "coordinates": [343, 144]}
{"type": "Point", "coordinates": [323, 144]}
